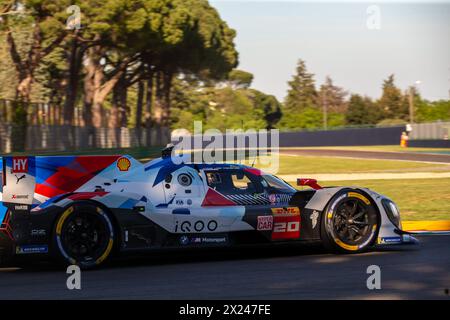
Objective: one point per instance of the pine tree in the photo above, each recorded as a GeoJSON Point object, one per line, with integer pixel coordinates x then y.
{"type": "Point", "coordinates": [333, 96]}
{"type": "Point", "coordinates": [356, 111]}
{"type": "Point", "coordinates": [302, 93]}
{"type": "Point", "coordinates": [392, 101]}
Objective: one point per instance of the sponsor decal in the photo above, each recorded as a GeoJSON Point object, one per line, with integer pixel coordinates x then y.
{"type": "Point", "coordinates": [208, 240]}
{"type": "Point", "coordinates": [274, 198]}
{"type": "Point", "coordinates": [189, 202]}
{"type": "Point", "coordinates": [21, 207]}
{"type": "Point", "coordinates": [19, 165]}
{"type": "Point", "coordinates": [265, 223]}
{"type": "Point", "coordinates": [286, 230]}
{"type": "Point", "coordinates": [181, 211]}
{"type": "Point", "coordinates": [288, 211]}
{"type": "Point", "coordinates": [197, 226]}
{"type": "Point", "coordinates": [196, 240]}
{"type": "Point", "coordinates": [286, 223]}
{"type": "Point", "coordinates": [38, 233]}
{"type": "Point", "coordinates": [386, 240]}
{"type": "Point", "coordinates": [123, 164]}
{"type": "Point", "coordinates": [19, 196]}
{"type": "Point", "coordinates": [19, 177]}
{"type": "Point", "coordinates": [314, 216]}
{"type": "Point", "coordinates": [179, 202]}
{"type": "Point", "coordinates": [29, 249]}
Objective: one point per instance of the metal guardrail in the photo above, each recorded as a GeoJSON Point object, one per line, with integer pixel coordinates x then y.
{"type": "Point", "coordinates": [430, 131]}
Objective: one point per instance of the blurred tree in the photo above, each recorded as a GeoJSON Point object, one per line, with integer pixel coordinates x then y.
{"type": "Point", "coordinates": [230, 108]}
{"type": "Point", "coordinates": [432, 111]}
{"type": "Point", "coordinates": [46, 20]}
{"type": "Point", "coordinates": [391, 122]}
{"type": "Point", "coordinates": [302, 96]}
{"type": "Point", "coordinates": [336, 119]}
{"type": "Point", "coordinates": [239, 79]}
{"type": "Point", "coordinates": [302, 93]}
{"type": "Point", "coordinates": [73, 58]}
{"type": "Point", "coordinates": [8, 76]}
{"type": "Point", "coordinates": [333, 96]}
{"type": "Point", "coordinates": [222, 107]}
{"type": "Point", "coordinates": [190, 101]}
{"type": "Point", "coordinates": [205, 48]}
{"type": "Point", "coordinates": [309, 118]}
{"type": "Point", "coordinates": [269, 106]}
{"type": "Point", "coordinates": [392, 101]}
{"type": "Point", "coordinates": [361, 110]}
{"type": "Point", "coordinates": [332, 99]}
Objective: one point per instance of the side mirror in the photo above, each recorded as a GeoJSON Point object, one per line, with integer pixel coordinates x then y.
{"type": "Point", "coordinates": [308, 182]}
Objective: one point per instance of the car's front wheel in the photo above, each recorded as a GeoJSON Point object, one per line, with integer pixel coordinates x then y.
{"type": "Point", "coordinates": [349, 222]}
{"type": "Point", "coordinates": [83, 235]}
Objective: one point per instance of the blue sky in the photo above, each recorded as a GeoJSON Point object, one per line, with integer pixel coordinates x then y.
{"type": "Point", "coordinates": [413, 42]}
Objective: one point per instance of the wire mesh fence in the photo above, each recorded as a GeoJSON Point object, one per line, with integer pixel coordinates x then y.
{"type": "Point", "coordinates": [72, 138]}
{"type": "Point", "coordinates": [46, 131]}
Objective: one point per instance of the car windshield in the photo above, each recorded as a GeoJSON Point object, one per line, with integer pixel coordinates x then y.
{"type": "Point", "coordinates": [233, 182]}
{"type": "Point", "coordinates": [277, 184]}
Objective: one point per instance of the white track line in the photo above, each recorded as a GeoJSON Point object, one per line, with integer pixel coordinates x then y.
{"type": "Point", "coordinates": [360, 158]}
{"type": "Point", "coordinates": [369, 176]}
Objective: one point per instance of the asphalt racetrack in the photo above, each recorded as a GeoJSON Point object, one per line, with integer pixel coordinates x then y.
{"type": "Point", "coordinates": [288, 272]}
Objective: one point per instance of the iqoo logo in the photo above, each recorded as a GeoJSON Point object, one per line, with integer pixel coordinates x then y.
{"type": "Point", "coordinates": [197, 226]}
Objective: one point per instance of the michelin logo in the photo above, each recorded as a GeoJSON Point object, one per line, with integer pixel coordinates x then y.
{"type": "Point", "coordinates": [31, 249]}
{"type": "Point", "coordinates": [388, 240]}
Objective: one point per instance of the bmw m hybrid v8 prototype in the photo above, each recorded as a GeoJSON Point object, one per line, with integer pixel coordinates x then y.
{"type": "Point", "coordinates": [84, 209]}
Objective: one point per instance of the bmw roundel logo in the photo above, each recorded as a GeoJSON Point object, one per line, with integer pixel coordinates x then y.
{"type": "Point", "coordinates": [184, 240]}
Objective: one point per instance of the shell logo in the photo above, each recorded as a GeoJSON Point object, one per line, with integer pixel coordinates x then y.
{"type": "Point", "coordinates": [123, 164]}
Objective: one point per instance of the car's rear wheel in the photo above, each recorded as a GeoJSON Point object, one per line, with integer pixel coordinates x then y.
{"type": "Point", "coordinates": [349, 222]}
{"type": "Point", "coordinates": [83, 236]}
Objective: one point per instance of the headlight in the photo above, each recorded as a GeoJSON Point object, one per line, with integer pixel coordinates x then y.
{"type": "Point", "coordinates": [392, 212]}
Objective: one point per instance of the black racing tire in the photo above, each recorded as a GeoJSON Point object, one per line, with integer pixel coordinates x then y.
{"type": "Point", "coordinates": [83, 235]}
{"type": "Point", "coordinates": [350, 222]}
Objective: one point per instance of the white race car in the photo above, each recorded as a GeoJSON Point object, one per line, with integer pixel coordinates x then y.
{"type": "Point", "coordinates": [82, 209]}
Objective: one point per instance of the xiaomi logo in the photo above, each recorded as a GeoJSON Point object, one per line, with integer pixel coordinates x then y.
{"type": "Point", "coordinates": [19, 165]}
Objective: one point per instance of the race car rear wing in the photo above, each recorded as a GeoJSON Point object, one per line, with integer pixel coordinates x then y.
{"type": "Point", "coordinates": [31, 180]}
